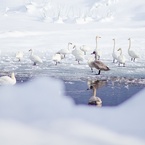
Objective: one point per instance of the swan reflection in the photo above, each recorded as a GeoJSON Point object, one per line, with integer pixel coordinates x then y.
{"type": "Point", "coordinates": [94, 85]}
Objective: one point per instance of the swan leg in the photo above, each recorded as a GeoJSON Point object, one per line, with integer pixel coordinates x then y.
{"type": "Point", "coordinates": [98, 57]}
{"type": "Point", "coordinates": [34, 63]}
{"type": "Point", "coordinates": [99, 72]}
{"type": "Point", "coordinates": [123, 64]}
{"type": "Point", "coordinates": [92, 69]}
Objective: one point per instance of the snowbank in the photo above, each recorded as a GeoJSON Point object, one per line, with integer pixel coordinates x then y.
{"type": "Point", "coordinates": [39, 112]}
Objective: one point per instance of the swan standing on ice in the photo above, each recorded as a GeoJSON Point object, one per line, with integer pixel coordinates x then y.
{"type": "Point", "coordinates": [94, 85]}
{"type": "Point", "coordinates": [65, 50]}
{"type": "Point", "coordinates": [131, 53]}
{"type": "Point", "coordinates": [114, 53]}
{"type": "Point", "coordinates": [19, 55]}
{"type": "Point", "coordinates": [79, 56]}
{"type": "Point", "coordinates": [121, 59]}
{"type": "Point", "coordinates": [36, 59]}
{"type": "Point", "coordinates": [85, 49]}
{"type": "Point", "coordinates": [57, 58]}
{"type": "Point", "coordinates": [6, 80]}
{"type": "Point", "coordinates": [97, 64]}
{"type": "Point", "coordinates": [98, 53]}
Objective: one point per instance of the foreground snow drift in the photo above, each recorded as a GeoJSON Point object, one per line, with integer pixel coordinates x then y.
{"type": "Point", "coordinates": [39, 112]}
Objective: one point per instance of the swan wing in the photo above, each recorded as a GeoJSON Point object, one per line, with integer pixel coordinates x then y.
{"type": "Point", "coordinates": [36, 58]}
{"type": "Point", "coordinates": [100, 65]}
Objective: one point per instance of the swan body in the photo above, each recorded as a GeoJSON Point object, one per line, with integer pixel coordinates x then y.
{"type": "Point", "coordinates": [6, 80]}
{"type": "Point", "coordinates": [98, 52]}
{"type": "Point", "coordinates": [79, 56]}
{"type": "Point", "coordinates": [65, 50]}
{"type": "Point", "coordinates": [121, 59]}
{"type": "Point", "coordinates": [94, 100]}
{"type": "Point", "coordinates": [19, 55]}
{"type": "Point", "coordinates": [98, 65]}
{"type": "Point", "coordinates": [132, 53]}
{"type": "Point", "coordinates": [57, 58]}
{"type": "Point", "coordinates": [34, 58]}
{"type": "Point", "coordinates": [114, 53]}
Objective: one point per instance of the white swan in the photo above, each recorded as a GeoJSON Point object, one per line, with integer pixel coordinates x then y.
{"type": "Point", "coordinates": [36, 59]}
{"type": "Point", "coordinates": [85, 49]}
{"type": "Point", "coordinates": [6, 80]}
{"type": "Point", "coordinates": [121, 58]}
{"type": "Point", "coordinates": [65, 50]}
{"type": "Point", "coordinates": [94, 85]}
{"type": "Point", "coordinates": [131, 53]}
{"type": "Point", "coordinates": [97, 64]}
{"type": "Point", "coordinates": [79, 56]}
{"type": "Point", "coordinates": [114, 53]}
{"type": "Point", "coordinates": [57, 58]}
{"type": "Point", "coordinates": [19, 55]}
{"type": "Point", "coordinates": [98, 52]}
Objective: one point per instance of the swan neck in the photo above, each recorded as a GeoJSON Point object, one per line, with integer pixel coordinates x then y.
{"type": "Point", "coordinates": [68, 46]}
{"type": "Point", "coordinates": [31, 53]}
{"type": "Point", "coordinates": [129, 44]}
{"type": "Point", "coordinates": [114, 46]}
{"type": "Point", "coordinates": [120, 51]}
{"type": "Point", "coordinates": [94, 91]}
{"type": "Point", "coordinates": [96, 44]}
{"type": "Point", "coordinates": [96, 56]}
{"type": "Point", "coordinates": [13, 76]}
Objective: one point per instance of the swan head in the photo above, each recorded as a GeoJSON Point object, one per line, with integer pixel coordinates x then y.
{"type": "Point", "coordinates": [113, 39]}
{"type": "Point", "coordinates": [119, 49]}
{"type": "Point", "coordinates": [129, 38]}
{"type": "Point", "coordinates": [30, 50]}
{"type": "Point", "coordinates": [98, 37]}
{"type": "Point", "coordinates": [69, 43]}
{"type": "Point", "coordinates": [94, 52]}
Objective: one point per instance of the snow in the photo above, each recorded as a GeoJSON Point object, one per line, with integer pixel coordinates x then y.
{"type": "Point", "coordinates": [38, 111]}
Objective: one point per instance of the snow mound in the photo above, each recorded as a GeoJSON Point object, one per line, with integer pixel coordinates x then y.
{"type": "Point", "coordinates": [39, 112]}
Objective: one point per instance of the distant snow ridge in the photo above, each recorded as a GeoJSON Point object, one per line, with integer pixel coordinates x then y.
{"type": "Point", "coordinates": [80, 12]}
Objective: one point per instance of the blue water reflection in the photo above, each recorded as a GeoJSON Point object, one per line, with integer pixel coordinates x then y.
{"type": "Point", "coordinates": [111, 94]}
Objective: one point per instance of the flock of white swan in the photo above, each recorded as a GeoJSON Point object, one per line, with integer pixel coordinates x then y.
{"type": "Point", "coordinates": [78, 53]}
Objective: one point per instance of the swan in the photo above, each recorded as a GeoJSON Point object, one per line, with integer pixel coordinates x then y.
{"type": "Point", "coordinates": [6, 80]}
{"type": "Point", "coordinates": [19, 55]}
{"type": "Point", "coordinates": [94, 85]}
{"type": "Point", "coordinates": [98, 64]}
{"type": "Point", "coordinates": [98, 53]}
{"type": "Point", "coordinates": [114, 53]}
{"type": "Point", "coordinates": [65, 50]}
{"type": "Point", "coordinates": [121, 59]}
{"type": "Point", "coordinates": [57, 58]}
{"type": "Point", "coordinates": [79, 56]}
{"type": "Point", "coordinates": [36, 59]}
{"type": "Point", "coordinates": [85, 49]}
{"type": "Point", "coordinates": [131, 53]}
